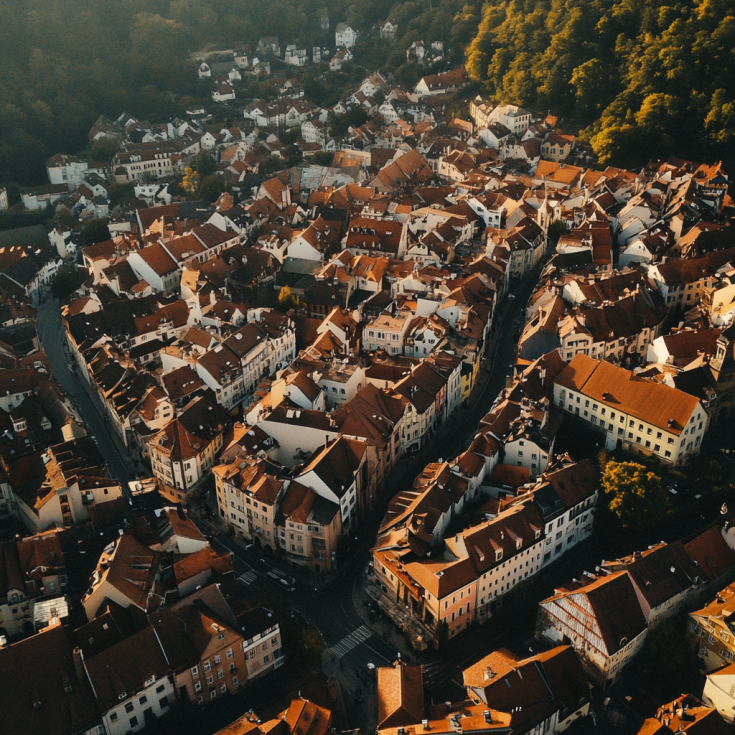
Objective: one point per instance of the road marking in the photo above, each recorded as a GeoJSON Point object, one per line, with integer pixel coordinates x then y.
{"type": "Point", "coordinates": [350, 641]}
{"type": "Point", "coordinates": [248, 577]}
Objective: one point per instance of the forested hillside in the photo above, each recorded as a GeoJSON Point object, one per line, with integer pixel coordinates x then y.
{"type": "Point", "coordinates": [641, 77]}
{"type": "Point", "coordinates": [646, 78]}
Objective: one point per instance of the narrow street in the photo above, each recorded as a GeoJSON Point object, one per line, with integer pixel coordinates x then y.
{"type": "Point", "coordinates": [53, 342]}
{"type": "Point", "coordinates": [333, 608]}
{"type": "Point", "coordinates": [351, 645]}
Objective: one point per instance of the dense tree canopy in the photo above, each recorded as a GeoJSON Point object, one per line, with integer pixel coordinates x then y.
{"type": "Point", "coordinates": [633, 494]}
{"type": "Point", "coordinates": [643, 77]}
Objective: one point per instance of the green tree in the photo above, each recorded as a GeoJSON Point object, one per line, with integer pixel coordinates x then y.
{"type": "Point", "coordinates": [65, 282]}
{"type": "Point", "coordinates": [94, 231]}
{"type": "Point", "coordinates": [204, 164]}
{"type": "Point", "coordinates": [211, 187]}
{"type": "Point", "coordinates": [442, 636]}
{"type": "Point", "coordinates": [556, 230]}
{"type": "Point", "coordinates": [634, 495]}
{"type": "Point", "coordinates": [103, 150]}
{"type": "Point", "coordinates": [322, 158]}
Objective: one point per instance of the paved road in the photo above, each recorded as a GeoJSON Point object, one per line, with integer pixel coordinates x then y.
{"type": "Point", "coordinates": [51, 334]}
{"type": "Point", "coordinates": [332, 609]}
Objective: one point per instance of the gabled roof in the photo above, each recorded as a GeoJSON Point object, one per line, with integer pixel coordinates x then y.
{"type": "Point", "coordinates": [34, 676]}
{"type": "Point", "coordinates": [614, 607]}
{"type": "Point", "coordinates": [664, 407]}
{"type": "Point", "coordinates": [121, 671]}
{"type": "Point", "coordinates": [336, 463]}
{"type": "Point", "coordinates": [400, 691]}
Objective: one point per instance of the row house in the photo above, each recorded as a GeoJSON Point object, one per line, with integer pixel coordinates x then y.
{"type": "Point", "coordinates": [128, 573]}
{"type": "Point", "coordinates": [618, 332]}
{"type": "Point", "coordinates": [183, 453]}
{"type": "Point", "coordinates": [602, 618]}
{"type": "Point", "coordinates": [688, 714]}
{"type": "Point", "coordinates": [710, 628]}
{"type": "Point", "coordinates": [522, 247]}
{"type": "Point", "coordinates": [630, 411]}
{"type": "Point", "coordinates": [683, 283]}
{"type": "Point", "coordinates": [234, 368]}
{"type": "Point", "coordinates": [480, 565]}
{"type": "Point", "coordinates": [388, 332]}
{"type": "Point", "coordinates": [214, 650]}
{"type": "Point", "coordinates": [305, 513]}
{"type": "Point", "coordinates": [132, 682]}
{"type": "Point", "coordinates": [525, 432]}
{"type": "Point", "coordinates": [424, 392]}
{"type": "Point", "coordinates": [554, 681]}
{"type": "Point", "coordinates": [154, 265]}
{"type": "Point", "coordinates": [60, 486]}
{"type": "Point", "coordinates": [607, 615]}
{"type": "Point", "coordinates": [45, 688]}
{"type": "Point", "coordinates": [146, 162]}
{"type": "Point", "coordinates": [248, 497]}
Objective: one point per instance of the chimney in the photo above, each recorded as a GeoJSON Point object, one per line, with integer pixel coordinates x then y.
{"type": "Point", "coordinates": [79, 664]}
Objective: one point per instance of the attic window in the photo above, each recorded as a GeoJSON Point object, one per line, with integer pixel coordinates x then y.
{"type": "Point", "coordinates": [519, 543]}
{"type": "Point", "coordinates": [498, 554]}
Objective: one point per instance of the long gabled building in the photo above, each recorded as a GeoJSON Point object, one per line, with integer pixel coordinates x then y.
{"type": "Point", "coordinates": [632, 411]}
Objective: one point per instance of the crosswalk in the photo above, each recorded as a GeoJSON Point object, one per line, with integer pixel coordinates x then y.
{"type": "Point", "coordinates": [350, 641]}
{"type": "Point", "coordinates": [248, 577]}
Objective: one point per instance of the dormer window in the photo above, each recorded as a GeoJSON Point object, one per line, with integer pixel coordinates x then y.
{"type": "Point", "coordinates": [519, 543]}
{"type": "Point", "coordinates": [498, 554]}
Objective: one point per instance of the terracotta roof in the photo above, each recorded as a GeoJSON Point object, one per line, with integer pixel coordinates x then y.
{"type": "Point", "coordinates": [400, 692]}
{"type": "Point", "coordinates": [614, 606]}
{"type": "Point", "coordinates": [505, 474]}
{"type": "Point", "coordinates": [532, 689]}
{"type": "Point", "coordinates": [711, 553]}
{"type": "Point", "coordinates": [337, 463]}
{"type": "Point", "coordinates": [158, 259]}
{"type": "Point", "coordinates": [132, 568]}
{"type": "Point", "coordinates": [123, 669]}
{"type": "Point", "coordinates": [34, 676]}
{"type": "Point", "coordinates": [306, 718]}
{"type": "Point", "coordinates": [201, 561]}
{"type": "Point", "coordinates": [667, 408]}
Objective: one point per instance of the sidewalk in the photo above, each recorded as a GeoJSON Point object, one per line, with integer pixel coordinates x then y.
{"type": "Point", "coordinates": [356, 692]}
{"type": "Point", "coordinates": [390, 621]}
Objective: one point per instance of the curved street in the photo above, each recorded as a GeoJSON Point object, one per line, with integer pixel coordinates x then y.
{"type": "Point", "coordinates": [339, 609]}
{"type": "Point", "coordinates": [52, 336]}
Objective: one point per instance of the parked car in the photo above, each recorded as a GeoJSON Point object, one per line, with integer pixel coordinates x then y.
{"type": "Point", "coordinates": [282, 578]}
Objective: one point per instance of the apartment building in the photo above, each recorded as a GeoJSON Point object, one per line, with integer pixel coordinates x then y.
{"type": "Point", "coordinates": [630, 411]}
